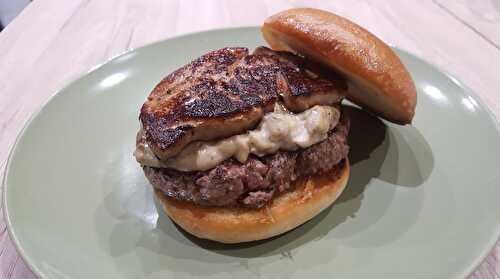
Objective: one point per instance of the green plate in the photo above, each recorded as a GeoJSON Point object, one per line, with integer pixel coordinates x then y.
{"type": "Point", "coordinates": [422, 202]}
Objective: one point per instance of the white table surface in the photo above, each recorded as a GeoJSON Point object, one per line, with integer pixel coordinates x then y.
{"type": "Point", "coordinates": [54, 41]}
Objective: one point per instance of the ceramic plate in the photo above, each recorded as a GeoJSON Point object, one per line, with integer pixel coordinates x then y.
{"type": "Point", "coordinates": [422, 201]}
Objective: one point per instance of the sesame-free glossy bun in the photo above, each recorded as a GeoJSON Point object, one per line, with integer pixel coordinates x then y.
{"type": "Point", "coordinates": [237, 224]}
{"type": "Point", "coordinates": [378, 80]}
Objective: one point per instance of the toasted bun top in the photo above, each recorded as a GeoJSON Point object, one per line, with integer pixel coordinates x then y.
{"type": "Point", "coordinates": [378, 80]}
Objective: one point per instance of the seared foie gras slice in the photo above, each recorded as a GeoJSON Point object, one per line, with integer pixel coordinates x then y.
{"type": "Point", "coordinates": [227, 92]}
{"type": "Point", "coordinates": [305, 84]}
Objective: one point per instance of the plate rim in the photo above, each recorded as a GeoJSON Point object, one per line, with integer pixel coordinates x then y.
{"type": "Point", "coordinates": [467, 271]}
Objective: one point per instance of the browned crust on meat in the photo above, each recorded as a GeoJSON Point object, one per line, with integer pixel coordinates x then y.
{"type": "Point", "coordinates": [304, 84]}
{"type": "Point", "coordinates": [196, 100]}
{"type": "Point", "coordinates": [223, 93]}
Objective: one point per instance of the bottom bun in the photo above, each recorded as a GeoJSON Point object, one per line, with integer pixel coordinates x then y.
{"type": "Point", "coordinates": [286, 212]}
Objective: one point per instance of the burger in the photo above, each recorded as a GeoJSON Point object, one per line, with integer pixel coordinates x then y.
{"type": "Point", "coordinates": [242, 146]}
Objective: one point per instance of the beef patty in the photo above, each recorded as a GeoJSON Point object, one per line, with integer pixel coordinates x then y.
{"type": "Point", "coordinates": [258, 180]}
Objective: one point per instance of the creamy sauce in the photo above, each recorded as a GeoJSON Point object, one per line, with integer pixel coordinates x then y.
{"type": "Point", "coordinates": [144, 155]}
{"type": "Point", "coordinates": [278, 130]}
